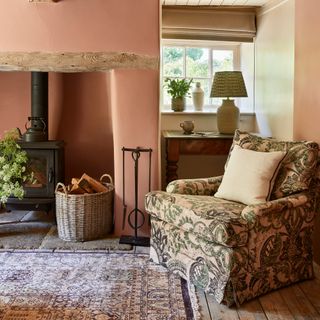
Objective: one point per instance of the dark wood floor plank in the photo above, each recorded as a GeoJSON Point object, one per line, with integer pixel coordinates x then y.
{"type": "Point", "coordinates": [220, 311]}
{"type": "Point", "coordinates": [311, 289]}
{"type": "Point", "coordinates": [203, 305]}
{"type": "Point", "coordinates": [251, 310]}
{"type": "Point", "coordinates": [298, 303]}
{"type": "Point", "coordinates": [275, 307]}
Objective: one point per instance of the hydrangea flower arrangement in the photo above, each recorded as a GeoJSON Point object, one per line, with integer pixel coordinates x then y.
{"type": "Point", "coordinates": [13, 170]}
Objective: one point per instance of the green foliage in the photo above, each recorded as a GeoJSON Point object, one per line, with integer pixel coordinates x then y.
{"type": "Point", "coordinates": [173, 54]}
{"type": "Point", "coordinates": [223, 63]}
{"type": "Point", "coordinates": [173, 61]}
{"type": "Point", "coordinates": [177, 88]}
{"type": "Point", "coordinates": [195, 53]}
{"type": "Point", "coordinates": [197, 68]}
{"type": "Point", "coordinates": [13, 172]}
{"type": "Point", "coordinates": [173, 70]}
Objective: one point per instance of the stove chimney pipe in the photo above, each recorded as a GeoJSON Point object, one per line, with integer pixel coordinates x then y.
{"type": "Point", "coordinates": [38, 130]}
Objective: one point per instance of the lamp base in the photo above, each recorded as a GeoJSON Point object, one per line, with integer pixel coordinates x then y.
{"type": "Point", "coordinates": [228, 117]}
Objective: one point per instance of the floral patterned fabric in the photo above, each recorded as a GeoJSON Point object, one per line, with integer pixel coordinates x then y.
{"type": "Point", "coordinates": [205, 265]}
{"type": "Point", "coordinates": [297, 167]}
{"type": "Point", "coordinates": [213, 219]}
{"type": "Point", "coordinates": [200, 187]}
{"type": "Point", "coordinates": [278, 251]}
{"type": "Point", "coordinates": [233, 251]}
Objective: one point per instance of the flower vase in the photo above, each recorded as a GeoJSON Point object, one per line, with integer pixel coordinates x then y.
{"type": "Point", "coordinates": [198, 97]}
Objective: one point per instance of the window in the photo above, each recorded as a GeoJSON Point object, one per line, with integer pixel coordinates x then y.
{"type": "Point", "coordinates": [199, 61]}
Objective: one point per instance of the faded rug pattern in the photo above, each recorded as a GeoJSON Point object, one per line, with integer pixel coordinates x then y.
{"type": "Point", "coordinates": [83, 286]}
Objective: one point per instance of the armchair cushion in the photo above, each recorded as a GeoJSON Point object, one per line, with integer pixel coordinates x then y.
{"type": "Point", "coordinates": [297, 168]}
{"type": "Point", "coordinates": [250, 175]}
{"type": "Point", "coordinates": [212, 219]}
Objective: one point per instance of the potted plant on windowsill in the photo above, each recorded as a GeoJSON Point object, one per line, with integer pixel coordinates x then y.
{"type": "Point", "coordinates": [178, 90]}
{"type": "Point", "coordinates": [13, 170]}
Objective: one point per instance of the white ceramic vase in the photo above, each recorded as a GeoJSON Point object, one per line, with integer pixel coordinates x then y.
{"type": "Point", "coordinates": [198, 97]}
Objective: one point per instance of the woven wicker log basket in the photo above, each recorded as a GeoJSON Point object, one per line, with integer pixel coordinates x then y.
{"type": "Point", "coordinates": [83, 217]}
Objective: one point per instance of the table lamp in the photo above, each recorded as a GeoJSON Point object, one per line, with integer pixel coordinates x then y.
{"type": "Point", "coordinates": [228, 84]}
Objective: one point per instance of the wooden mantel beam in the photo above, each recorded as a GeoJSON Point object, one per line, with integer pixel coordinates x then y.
{"type": "Point", "coordinates": [75, 61]}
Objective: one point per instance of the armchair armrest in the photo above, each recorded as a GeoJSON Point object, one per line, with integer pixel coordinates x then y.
{"type": "Point", "coordinates": [272, 210]}
{"type": "Point", "coordinates": [278, 232]}
{"type": "Point", "coordinates": [203, 187]}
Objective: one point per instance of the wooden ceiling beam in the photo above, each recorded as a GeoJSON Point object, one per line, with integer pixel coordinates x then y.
{"type": "Point", "coordinates": [75, 62]}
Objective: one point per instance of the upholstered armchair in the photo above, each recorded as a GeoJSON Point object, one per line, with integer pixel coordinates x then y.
{"type": "Point", "coordinates": [237, 251]}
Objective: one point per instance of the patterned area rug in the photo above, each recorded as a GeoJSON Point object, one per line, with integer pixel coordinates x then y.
{"type": "Point", "coordinates": [85, 286]}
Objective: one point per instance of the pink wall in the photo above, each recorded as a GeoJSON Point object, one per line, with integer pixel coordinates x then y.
{"type": "Point", "coordinates": [15, 100]}
{"type": "Point", "coordinates": [135, 124]}
{"type": "Point", "coordinates": [80, 25]}
{"type": "Point", "coordinates": [14, 96]}
{"type": "Point", "coordinates": [307, 93]}
{"type": "Point", "coordinates": [84, 123]}
{"type": "Point", "coordinates": [80, 104]}
{"type": "Point", "coordinates": [79, 114]}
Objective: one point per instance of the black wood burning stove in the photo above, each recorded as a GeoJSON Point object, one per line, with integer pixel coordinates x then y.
{"type": "Point", "coordinates": [46, 158]}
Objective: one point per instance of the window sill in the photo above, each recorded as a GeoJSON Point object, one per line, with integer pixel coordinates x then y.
{"type": "Point", "coordinates": [204, 112]}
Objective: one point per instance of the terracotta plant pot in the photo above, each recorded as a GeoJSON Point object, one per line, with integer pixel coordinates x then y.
{"type": "Point", "coordinates": [178, 104]}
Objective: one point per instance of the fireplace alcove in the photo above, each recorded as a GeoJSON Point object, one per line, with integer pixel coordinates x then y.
{"type": "Point", "coordinates": [81, 92]}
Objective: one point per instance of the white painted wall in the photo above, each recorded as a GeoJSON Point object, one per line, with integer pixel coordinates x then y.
{"type": "Point", "coordinates": [275, 70]}
{"type": "Point", "coordinates": [247, 67]}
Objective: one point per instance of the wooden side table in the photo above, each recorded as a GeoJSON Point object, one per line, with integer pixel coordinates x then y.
{"type": "Point", "coordinates": [202, 143]}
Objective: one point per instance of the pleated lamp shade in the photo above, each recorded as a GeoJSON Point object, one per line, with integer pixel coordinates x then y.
{"type": "Point", "coordinates": [228, 84]}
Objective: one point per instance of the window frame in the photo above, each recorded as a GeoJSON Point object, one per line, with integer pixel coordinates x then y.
{"type": "Point", "coordinates": [211, 45]}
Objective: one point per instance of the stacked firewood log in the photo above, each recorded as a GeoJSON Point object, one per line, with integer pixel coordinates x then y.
{"type": "Point", "coordinates": [86, 184]}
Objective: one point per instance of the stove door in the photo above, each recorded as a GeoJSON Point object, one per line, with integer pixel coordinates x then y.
{"type": "Point", "coordinates": [41, 163]}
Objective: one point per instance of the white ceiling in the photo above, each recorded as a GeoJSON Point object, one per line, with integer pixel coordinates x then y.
{"type": "Point", "coordinates": [216, 2]}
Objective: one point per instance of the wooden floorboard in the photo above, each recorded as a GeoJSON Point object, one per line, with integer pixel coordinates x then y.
{"type": "Point", "coordinates": [311, 289]}
{"type": "Point", "coordinates": [299, 302]}
{"type": "Point", "coordinates": [251, 310]}
{"type": "Point", "coordinates": [220, 311]}
{"type": "Point", "coordinates": [275, 307]}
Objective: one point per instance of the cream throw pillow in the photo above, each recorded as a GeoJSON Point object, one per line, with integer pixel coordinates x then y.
{"type": "Point", "coordinates": [250, 175]}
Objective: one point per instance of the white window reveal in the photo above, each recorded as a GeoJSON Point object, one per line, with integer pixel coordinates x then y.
{"type": "Point", "coordinates": [199, 61]}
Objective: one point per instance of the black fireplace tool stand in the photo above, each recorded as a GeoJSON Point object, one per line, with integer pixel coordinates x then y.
{"type": "Point", "coordinates": [133, 214]}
